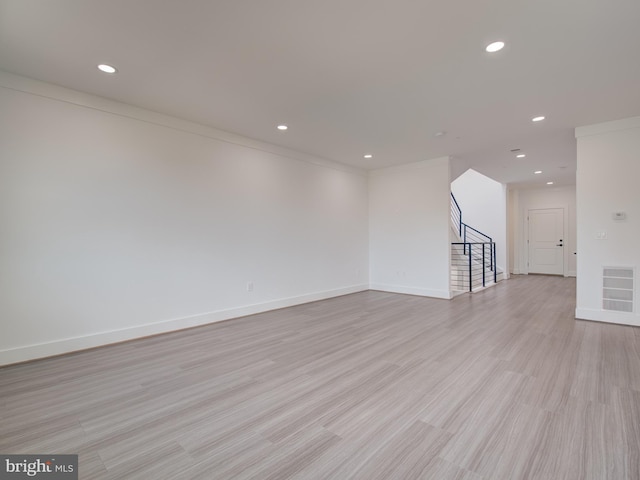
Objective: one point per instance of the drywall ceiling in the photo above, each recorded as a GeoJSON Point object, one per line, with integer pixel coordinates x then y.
{"type": "Point", "coordinates": [352, 77]}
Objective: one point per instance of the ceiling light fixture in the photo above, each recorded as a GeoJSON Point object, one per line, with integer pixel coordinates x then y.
{"type": "Point", "coordinates": [368, 155]}
{"type": "Point", "coordinates": [537, 172]}
{"type": "Point", "coordinates": [494, 47]}
{"type": "Point", "coordinates": [537, 119]}
{"type": "Point", "coordinates": [549, 183]}
{"type": "Point", "coordinates": [522, 155]}
{"type": "Point", "coordinates": [103, 67]}
{"type": "Point", "coordinates": [282, 127]}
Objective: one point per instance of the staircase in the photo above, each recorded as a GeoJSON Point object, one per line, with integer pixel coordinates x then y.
{"type": "Point", "coordinates": [473, 256]}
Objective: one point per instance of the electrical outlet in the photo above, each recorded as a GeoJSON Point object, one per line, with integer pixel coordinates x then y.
{"type": "Point", "coordinates": [249, 286]}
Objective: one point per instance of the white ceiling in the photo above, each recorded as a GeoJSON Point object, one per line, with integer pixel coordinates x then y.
{"type": "Point", "coordinates": [351, 77]}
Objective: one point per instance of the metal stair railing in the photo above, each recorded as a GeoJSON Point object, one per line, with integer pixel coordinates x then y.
{"type": "Point", "coordinates": [456, 215]}
{"type": "Point", "coordinates": [473, 264]}
{"type": "Point", "coordinates": [477, 261]}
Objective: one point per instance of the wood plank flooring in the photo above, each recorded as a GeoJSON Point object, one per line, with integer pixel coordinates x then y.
{"type": "Point", "coordinates": [502, 384]}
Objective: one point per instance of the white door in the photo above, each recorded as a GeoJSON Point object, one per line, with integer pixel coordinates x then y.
{"type": "Point", "coordinates": [546, 241]}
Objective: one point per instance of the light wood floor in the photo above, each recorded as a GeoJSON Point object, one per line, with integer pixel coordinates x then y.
{"type": "Point", "coordinates": [503, 384]}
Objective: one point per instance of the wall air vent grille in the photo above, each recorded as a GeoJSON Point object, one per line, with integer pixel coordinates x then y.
{"type": "Point", "coordinates": [618, 288]}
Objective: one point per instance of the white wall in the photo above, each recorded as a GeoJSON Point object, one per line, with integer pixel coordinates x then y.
{"type": "Point", "coordinates": [483, 202]}
{"type": "Point", "coordinates": [525, 199]}
{"type": "Point", "coordinates": [409, 228]}
{"type": "Point", "coordinates": [116, 222]}
{"type": "Point", "coordinates": [607, 182]}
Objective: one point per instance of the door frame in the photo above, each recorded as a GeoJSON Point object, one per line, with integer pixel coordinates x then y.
{"type": "Point", "coordinates": [565, 237]}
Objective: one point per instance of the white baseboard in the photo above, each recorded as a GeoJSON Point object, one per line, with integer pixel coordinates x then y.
{"type": "Point", "coordinates": [571, 273]}
{"type": "Point", "coordinates": [607, 316]}
{"type": "Point", "coordinates": [423, 292]}
{"type": "Point", "coordinates": [58, 347]}
{"type": "Point", "coordinates": [457, 293]}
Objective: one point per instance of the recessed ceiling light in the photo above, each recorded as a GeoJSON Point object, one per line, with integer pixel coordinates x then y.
{"type": "Point", "coordinates": [522, 155]}
{"type": "Point", "coordinates": [368, 155]}
{"type": "Point", "coordinates": [282, 127]}
{"type": "Point", "coordinates": [494, 47]}
{"type": "Point", "coordinates": [103, 67]}
{"type": "Point", "coordinates": [549, 183]}
{"type": "Point", "coordinates": [537, 172]}
{"type": "Point", "coordinates": [537, 119]}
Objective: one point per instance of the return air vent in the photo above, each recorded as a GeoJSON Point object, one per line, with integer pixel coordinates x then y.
{"type": "Point", "coordinates": [617, 289]}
